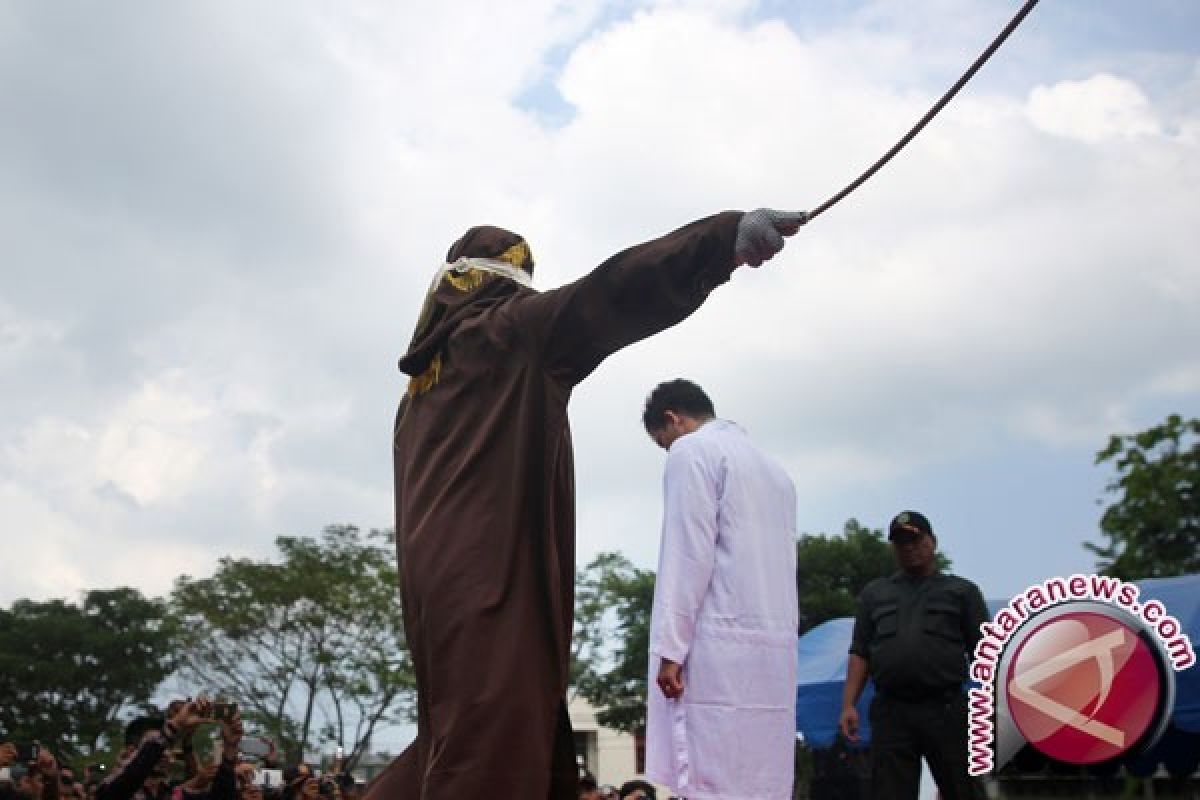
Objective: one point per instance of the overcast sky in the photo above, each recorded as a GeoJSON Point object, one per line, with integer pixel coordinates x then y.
{"type": "Point", "coordinates": [219, 219]}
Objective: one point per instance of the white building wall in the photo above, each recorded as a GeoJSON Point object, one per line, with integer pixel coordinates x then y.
{"type": "Point", "coordinates": [610, 755]}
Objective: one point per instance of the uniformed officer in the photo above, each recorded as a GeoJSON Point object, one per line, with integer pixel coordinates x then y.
{"type": "Point", "coordinates": [913, 634]}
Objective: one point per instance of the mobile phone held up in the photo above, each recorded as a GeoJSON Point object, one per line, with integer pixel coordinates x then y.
{"type": "Point", "coordinates": [255, 746]}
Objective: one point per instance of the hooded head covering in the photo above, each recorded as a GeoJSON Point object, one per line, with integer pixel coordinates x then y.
{"type": "Point", "coordinates": [486, 265]}
{"type": "Point", "coordinates": [487, 241]}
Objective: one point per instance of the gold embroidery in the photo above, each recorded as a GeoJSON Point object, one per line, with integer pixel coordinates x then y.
{"type": "Point", "coordinates": [420, 384]}
{"type": "Point", "coordinates": [516, 255]}
{"type": "Point", "coordinates": [467, 281]}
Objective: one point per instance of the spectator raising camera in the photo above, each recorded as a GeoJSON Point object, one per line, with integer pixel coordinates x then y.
{"type": "Point", "coordinates": [30, 773]}
{"type": "Point", "coordinates": [143, 767]}
{"type": "Point", "coordinates": [158, 761]}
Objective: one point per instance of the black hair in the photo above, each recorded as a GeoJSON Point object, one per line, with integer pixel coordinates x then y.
{"type": "Point", "coordinates": [139, 726]}
{"type": "Point", "coordinates": [629, 787]}
{"type": "Point", "coordinates": [682, 397]}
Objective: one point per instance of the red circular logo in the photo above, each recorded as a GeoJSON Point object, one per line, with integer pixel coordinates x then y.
{"type": "Point", "coordinates": [1083, 687]}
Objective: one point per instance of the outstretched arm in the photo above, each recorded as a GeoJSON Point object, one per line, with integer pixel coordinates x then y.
{"type": "Point", "coordinates": [644, 289]}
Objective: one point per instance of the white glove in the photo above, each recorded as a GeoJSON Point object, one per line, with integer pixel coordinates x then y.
{"type": "Point", "coordinates": [760, 234]}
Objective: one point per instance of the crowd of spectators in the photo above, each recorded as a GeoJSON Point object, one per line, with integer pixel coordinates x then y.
{"type": "Point", "coordinates": [589, 789]}
{"type": "Point", "coordinates": [159, 761]}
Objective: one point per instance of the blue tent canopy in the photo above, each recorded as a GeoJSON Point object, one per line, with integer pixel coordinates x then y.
{"type": "Point", "coordinates": [822, 674]}
{"type": "Point", "coordinates": [823, 658]}
{"type": "Point", "coordinates": [1181, 596]}
{"type": "Point", "coordinates": [1179, 748]}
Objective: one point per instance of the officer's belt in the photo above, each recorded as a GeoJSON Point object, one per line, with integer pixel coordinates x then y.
{"type": "Point", "coordinates": [921, 695]}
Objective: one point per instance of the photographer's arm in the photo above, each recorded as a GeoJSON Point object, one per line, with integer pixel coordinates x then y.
{"type": "Point", "coordinates": [47, 765]}
{"type": "Point", "coordinates": [127, 778]}
{"type": "Point", "coordinates": [224, 785]}
{"type": "Point", "coordinates": [191, 762]}
{"type": "Point", "coordinates": [130, 776]}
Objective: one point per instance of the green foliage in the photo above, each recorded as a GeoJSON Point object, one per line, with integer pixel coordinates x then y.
{"type": "Point", "coordinates": [613, 601]}
{"type": "Point", "coordinates": [1153, 526]}
{"type": "Point", "coordinates": [70, 673]}
{"type": "Point", "coordinates": [311, 646]}
{"type": "Point", "coordinates": [831, 571]}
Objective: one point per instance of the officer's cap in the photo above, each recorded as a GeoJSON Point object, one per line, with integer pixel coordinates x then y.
{"type": "Point", "coordinates": [909, 522]}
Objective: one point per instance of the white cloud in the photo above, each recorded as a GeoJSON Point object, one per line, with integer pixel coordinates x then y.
{"type": "Point", "coordinates": [970, 277]}
{"type": "Point", "coordinates": [1062, 426]}
{"type": "Point", "coordinates": [21, 336]}
{"type": "Point", "coordinates": [155, 445]}
{"type": "Point", "coordinates": [1183, 381]}
{"type": "Point", "coordinates": [1093, 110]}
{"type": "Point", "coordinates": [223, 222]}
{"type": "Point", "coordinates": [42, 544]}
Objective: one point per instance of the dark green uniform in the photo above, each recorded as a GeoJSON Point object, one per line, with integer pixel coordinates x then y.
{"type": "Point", "coordinates": [917, 636]}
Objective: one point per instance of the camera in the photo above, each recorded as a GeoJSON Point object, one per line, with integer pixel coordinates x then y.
{"type": "Point", "coordinates": [224, 712]}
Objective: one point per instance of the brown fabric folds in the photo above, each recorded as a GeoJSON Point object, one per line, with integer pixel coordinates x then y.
{"type": "Point", "coordinates": [485, 505]}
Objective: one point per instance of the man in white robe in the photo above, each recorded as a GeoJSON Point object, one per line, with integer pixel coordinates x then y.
{"type": "Point", "coordinates": [721, 711]}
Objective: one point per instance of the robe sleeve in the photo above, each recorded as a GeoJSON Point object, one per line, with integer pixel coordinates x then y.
{"type": "Point", "coordinates": [638, 292]}
{"type": "Point", "coordinates": [691, 488]}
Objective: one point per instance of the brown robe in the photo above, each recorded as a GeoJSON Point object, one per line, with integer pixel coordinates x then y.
{"type": "Point", "coordinates": [485, 505]}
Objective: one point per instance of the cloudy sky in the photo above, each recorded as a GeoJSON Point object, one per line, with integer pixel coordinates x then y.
{"type": "Point", "coordinates": [219, 219]}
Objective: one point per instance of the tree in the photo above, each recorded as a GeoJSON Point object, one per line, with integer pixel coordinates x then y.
{"type": "Point", "coordinates": [70, 673]}
{"type": "Point", "coordinates": [613, 601]}
{"type": "Point", "coordinates": [1153, 526]}
{"type": "Point", "coordinates": [312, 647]}
{"type": "Point", "coordinates": [831, 571]}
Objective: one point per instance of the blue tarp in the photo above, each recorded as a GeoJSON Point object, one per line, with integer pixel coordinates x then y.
{"type": "Point", "coordinates": [822, 675]}
{"type": "Point", "coordinates": [823, 659]}
{"type": "Point", "coordinates": [1181, 596]}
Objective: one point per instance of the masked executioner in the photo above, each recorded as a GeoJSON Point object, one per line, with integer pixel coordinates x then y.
{"type": "Point", "coordinates": [485, 516]}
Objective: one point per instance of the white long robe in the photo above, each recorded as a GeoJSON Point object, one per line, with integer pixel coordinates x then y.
{"type": "Point", "coordinates": [725, 608]}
